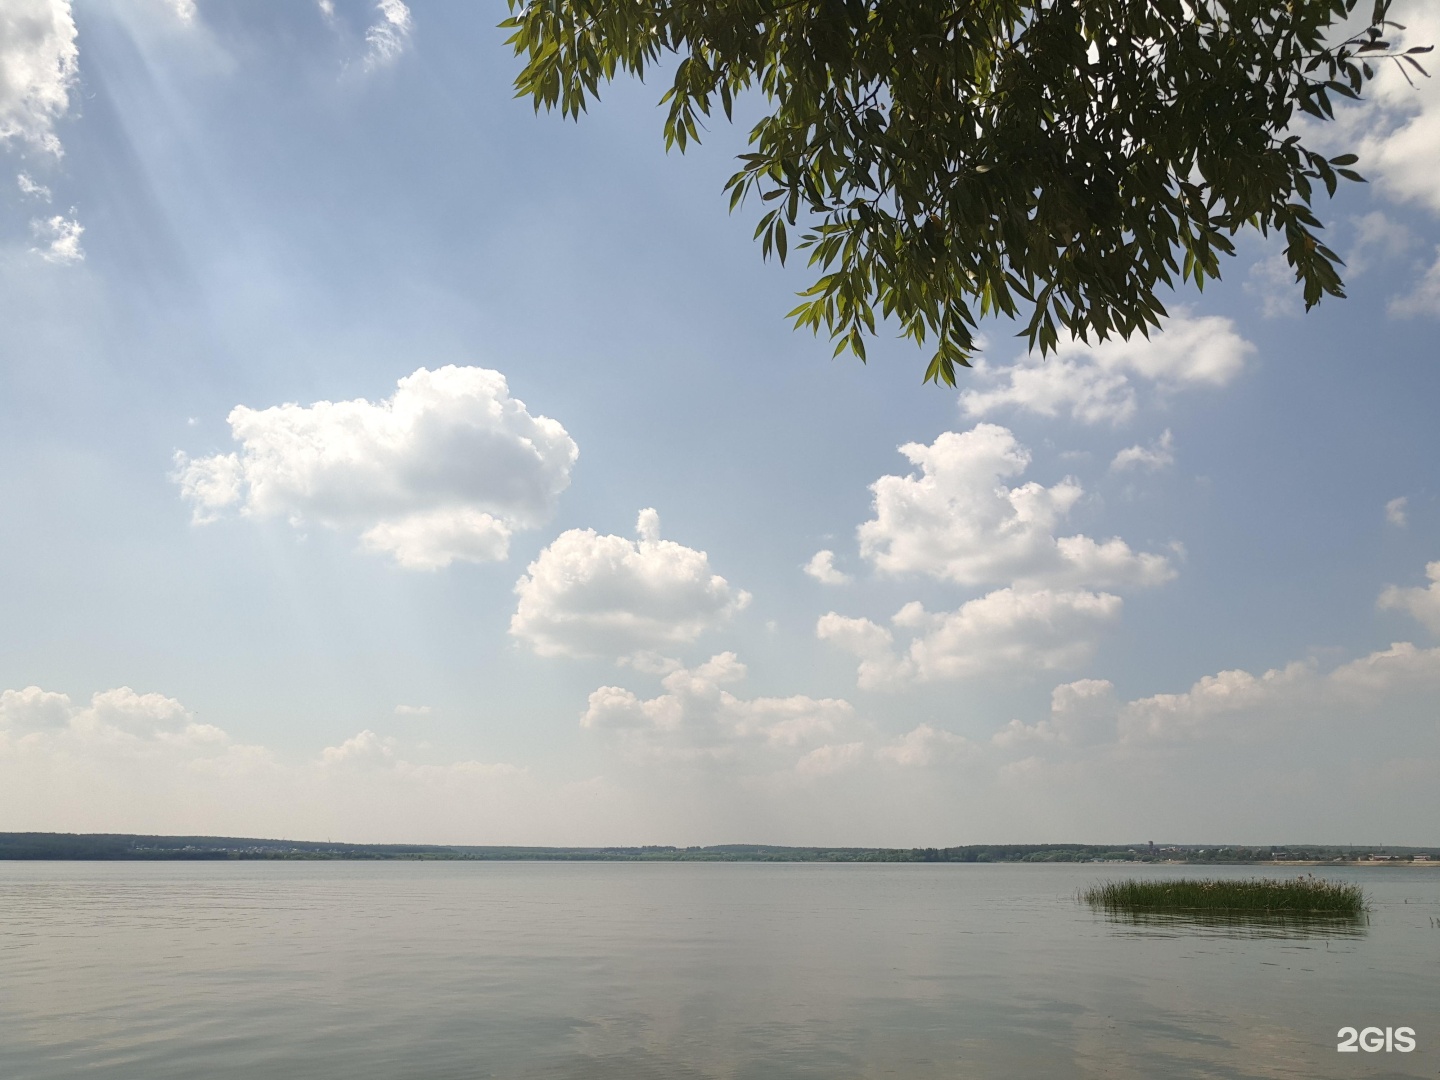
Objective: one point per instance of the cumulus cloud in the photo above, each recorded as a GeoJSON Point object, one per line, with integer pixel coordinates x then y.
{"type": "Point", "coordinates": [831, 759]}
{"type": "Point", "coordinates": [821, 567]}
{"type": "Point", "coordinates": [589, 594]}
{"type": "Point", "coordinates": [140, 714]}
{"type": "Point", "coordinates": [209, 484]}
{"type": "Point", "coordinates": [445, 469]}
{"type": "Point", "coordinates": [1291, 751]}
{"type": "Point", "coordinates": [362, 750]}
{"type": "Point", "coordinates": [1400, 124]}
{"type": "Point", "coordinates": [1101, 382]}
{"type": "Point", "coordinates": [1274, 752]}
{"type": "Point", "coordinates": [58, 238]}
{"type": "Point", "coordinates": [1237, 705]}
{"type": "Point", "coordinates": [956, 520]}
{"type": "Point", "coordinates": [38, 65]}
{"type": "Point", "coordinates": [120, 719]}
{"type": "Point", "coordinates": [1272, 280]}
{"type": "Point", "coordinates": [1158, 455]}
{"type": "Point", "coordinates": [1004, 631]}
{"type": "Point", "coordinates": [1395, 512]}
{"type": "Point", "coordinates": [389, 35]}
{"type": "Point", "coordinates": [1421, 602]}
{"type": "Point", "coordinates": [1384, 697]}
{"type": "Point", "coordinates": [29, 187]}
{"type": "Point", "coordinates": [1366, 695]}
{"type": "Point", "coordinates": [924, 746]}
{"type": "Point", "coordinates": [1377, 239]}
{"type": "Point", "coordinates": [413, 710]}
{"type": "Point", "coordinates": [434, 539]}
{"type": "Point", "coordinates": [33, 709]}
{"type": "Point", "coordinates": [1082, 713]}
{"type": "Point", "coordinates": [1198, 712]}
{"type": "Point", "coordinates": [1395, 131]}
{"type": "Point", "coordinates": [1424, 298]}
{"type": "Point", "coordinates": [696, 718]}
{"type": "Point", "coordinates": [142, 762]}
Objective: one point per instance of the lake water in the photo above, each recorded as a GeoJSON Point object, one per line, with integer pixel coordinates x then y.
{"type": "Point", "coordinates": [676, 971]}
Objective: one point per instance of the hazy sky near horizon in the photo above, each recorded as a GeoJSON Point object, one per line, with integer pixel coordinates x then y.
{"type": "Point", "coordinates": [382, 461]}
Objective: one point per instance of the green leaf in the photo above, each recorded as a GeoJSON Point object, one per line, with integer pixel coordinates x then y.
{"type": "Point", "coordinates": [952, 161]}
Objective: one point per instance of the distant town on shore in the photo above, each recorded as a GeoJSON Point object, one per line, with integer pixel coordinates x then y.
{"type": "Point", "coordinates": [121, 846]}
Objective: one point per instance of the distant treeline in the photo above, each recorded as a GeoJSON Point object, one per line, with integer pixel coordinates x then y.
{"type": "Point", "coordinates": [114, 846]}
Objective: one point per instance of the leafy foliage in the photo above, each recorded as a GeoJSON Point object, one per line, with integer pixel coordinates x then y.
{"type": "Point", "coordinates": [955, 159]}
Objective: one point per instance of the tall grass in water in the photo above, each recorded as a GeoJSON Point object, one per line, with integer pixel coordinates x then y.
{"type": "Point", "coordinates": [1300, 897]}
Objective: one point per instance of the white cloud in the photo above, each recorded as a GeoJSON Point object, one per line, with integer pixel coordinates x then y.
{"type": "Point", "coordinates": [650, 662]}
{"type": "Point", "coordinates": [209, 484]}
{"type": "Point", "coordinates": [445, 469]}
{"type": "Point", "coordinates": [389, 35]}
{"type": "Point", "coordinates": [1424, 298]}
{"type": "Point", "coordinates": [1400, 125]}
{"type": "Point", "coordinates": [589, 594]}
{"type": "Point", "coordinates": [1422, 602]}
{"type": "Point", "coordinates": [1059, 384]}
{"type": "Point", "coordinates": [1376, 238]}
{"type": "Point", "coordinates": [119, 720]}
{"type": "Point", "coordinates": [429, 541]}
{"type": "Point", "coordinates": [1395, 512]}
{"type": "Point", "coordinates": [696, 718]}
{"type": "Point", "coordinates": [34, 709]}
{"type": "Point", "coordinates": [1239, 706]}
{"type": "Point", "coordinates": [1158, 455]}
{"type": "Point", "coordinates": [29, 187]}
{"type": "Point", "coordinates": [1275, 753]}
{"type": "Point", "coordinates": [1395, 131]}
{"type": "Point", "coordinates": [142, 762]}
{"type": "Point", "coordinates": [1272, 279]}
{"type": "Point", "coordinates": [1082, 713]}
{"type": "Point", "coordinates": [1004, 631]}
{"type": "Point", "coordinates": [831, 759]}
{"type": "Point", "coordinates": [958, 521]}
{"type": "Point", "coordinates": [142, 714]}
{"type": "Point", "coordinates": [1200, 711]}
{"type": "Point", "coordinates": [1286, 752]}
{"type": "Point", "coordinates": [821, 567]}
{"type": "Point", "coordinates": [361, 751]}
{"type": "Point", "coordinates": [1381, 701]}
{"type": "Point", "coordinates": [59, 238]}
{"type": "Point", "coordinates": [871, 642]}
{"type": "Point", "coordinates": [923, 746]}
{"type": "Point", "coordinates": [413, 710]}
{"type": "Point", "coordinates": [38, 64]}
{"type": "Point", "coordinates": [1098, 383]}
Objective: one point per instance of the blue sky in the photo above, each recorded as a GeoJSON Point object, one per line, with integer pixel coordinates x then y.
{"type": "Point", "coordinates": [384, 461]}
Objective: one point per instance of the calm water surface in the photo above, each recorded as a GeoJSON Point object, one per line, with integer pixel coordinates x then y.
{"type": "Point", "coordinates": [679, 971]}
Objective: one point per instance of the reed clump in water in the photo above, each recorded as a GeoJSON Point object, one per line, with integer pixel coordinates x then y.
{"type": "Point", "coordinates": [1298, 897]}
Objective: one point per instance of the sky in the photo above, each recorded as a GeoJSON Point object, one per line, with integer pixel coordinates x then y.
{"type": "Point", "coordinates": [382, 461]}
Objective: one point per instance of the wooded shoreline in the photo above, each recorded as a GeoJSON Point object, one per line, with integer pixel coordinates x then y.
{"type": "Point", "coordinates": [133, 847]}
